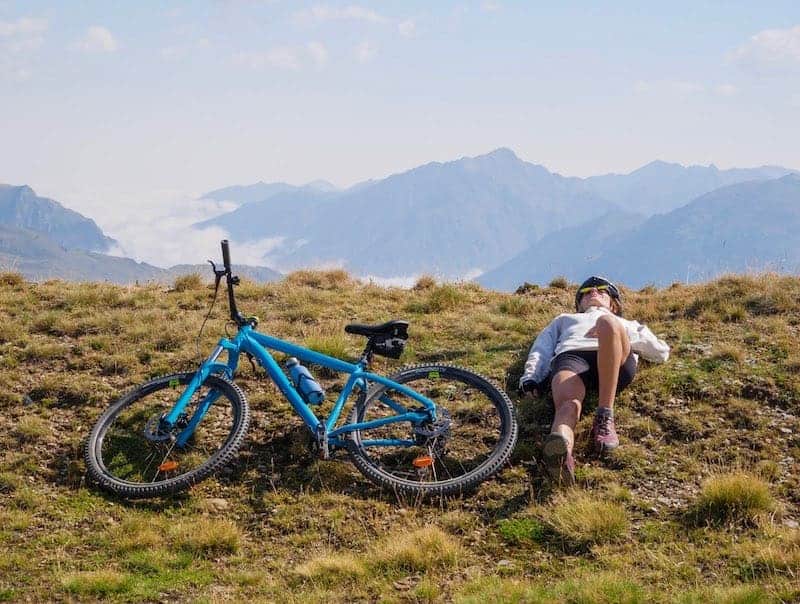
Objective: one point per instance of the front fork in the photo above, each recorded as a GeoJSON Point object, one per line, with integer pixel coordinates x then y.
{"type": "Point", "coordinates": [210, 366]}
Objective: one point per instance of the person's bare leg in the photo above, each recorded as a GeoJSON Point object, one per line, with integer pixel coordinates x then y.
{"type": "Point", "coordinates": [614, 348]}
{"type": "Point", "coordinates": [568, 395]}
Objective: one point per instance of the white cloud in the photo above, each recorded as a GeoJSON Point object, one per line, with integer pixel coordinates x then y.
{"type": "Point", "coordinates": [24, 26]}
{"type": "Point", "coordinates": [157, 228]}
{"type": "Point", "coordinates": [276, 58]}
{"type": "Point", "coordinates": [673, 88]}
{"type": "Point", "coordinates": [365, 51]}
{"type": "Point", "coordinates": [97, 39]}
{"type": "Point", "coordinates": [22, 35]}
{"type": "Point", "coordinates": [407, 28]}
{"type": "Point", "coordinates": [180, 51]}
{"type": "Point", "coordinates": [352, 12]}
{"type": "Point", "coordinates": [726, 90]}
{"type": "Point", "coordinates": [18, 39]}
{"type": "Point", "coordinates": [771, 49]}
{"type": "Point", "coordinates": [490, 6]}
{"type": "Point", "coordinates": [682, 89]}
{"type": "Point", "coordinates": [318, 53]}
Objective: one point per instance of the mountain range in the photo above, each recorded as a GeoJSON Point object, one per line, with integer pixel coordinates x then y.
{"type": "Point", "coordinates": [493, 217]}
{"type": "Point", "coordinates": [746, 227]}
{"type": "Point", "coordinates": [451, 219]}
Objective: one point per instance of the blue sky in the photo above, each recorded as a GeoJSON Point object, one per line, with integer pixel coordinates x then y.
{"type": "Point", "coordinates": [127, 102]}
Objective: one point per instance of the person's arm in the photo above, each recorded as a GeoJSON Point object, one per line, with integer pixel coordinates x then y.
{"type": "Point", "coordinates": [537, 366]}
{"type": "Point", "coordinates": [645, 343]}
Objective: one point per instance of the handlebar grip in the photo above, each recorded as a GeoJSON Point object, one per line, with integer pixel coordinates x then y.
{"type": "Point", "coordinates": [226, 254]}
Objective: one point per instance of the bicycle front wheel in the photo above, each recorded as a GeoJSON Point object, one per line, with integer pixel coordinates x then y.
{"type": "Point", "coordinates": [129, 455]}
{"type": "Point", "coordinates": [471, 439]}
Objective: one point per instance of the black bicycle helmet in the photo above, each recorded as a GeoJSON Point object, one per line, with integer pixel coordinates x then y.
{"type": "Point", "coordinates": [598, 282]}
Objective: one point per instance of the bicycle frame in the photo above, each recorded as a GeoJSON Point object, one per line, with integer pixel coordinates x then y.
{"type": "Point", "coordinates": [248, 340]}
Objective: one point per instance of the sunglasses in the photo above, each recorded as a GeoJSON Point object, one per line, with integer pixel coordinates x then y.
{"type": "Point", "coordinates": [600, 288]}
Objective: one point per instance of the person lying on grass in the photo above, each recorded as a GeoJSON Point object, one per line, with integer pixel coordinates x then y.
{"type": "Point", "coordinates": [591, 349]}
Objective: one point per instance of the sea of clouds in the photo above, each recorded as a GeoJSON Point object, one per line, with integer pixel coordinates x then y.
{"type": "Point", "coordinates": [157, 227]}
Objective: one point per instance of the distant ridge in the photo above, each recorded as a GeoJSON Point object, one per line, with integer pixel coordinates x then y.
{"type": "Point", "coordinates": [261, 191]}
{"type": "Point", "coordinates": [20, 207]}
{"type": "Point", "coordinates": [660, 187]}
{"type": "Point", "coordinates": [747, 227]}
{"type": "Point", "coordinates": [39, 258]}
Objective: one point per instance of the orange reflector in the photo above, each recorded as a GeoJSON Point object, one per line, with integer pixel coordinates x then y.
{"type": "Point", "coordinates": [168, 466]}
{"type": "Point", "coordinates": [423, 461]}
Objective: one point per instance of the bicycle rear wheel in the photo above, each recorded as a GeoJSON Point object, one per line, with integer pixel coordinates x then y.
{"type": "Point", "coordinates": [472, 438]}
{"type": "Point", "coordinates": [128, 455]}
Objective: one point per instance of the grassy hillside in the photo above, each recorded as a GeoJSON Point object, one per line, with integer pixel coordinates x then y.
{"type": "Point", "coordinates": [700, 504]}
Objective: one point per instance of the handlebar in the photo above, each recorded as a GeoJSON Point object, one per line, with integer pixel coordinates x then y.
{"type": "Point", "coordinates": [226, 255]}
{"type": "Point", "coordinates": [230, 281]}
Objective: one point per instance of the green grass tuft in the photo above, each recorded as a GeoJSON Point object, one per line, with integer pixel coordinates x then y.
{"type": "Point", "coordinates": [522, 530]}
{"type": "Point", "coordinates": [737, 497]}
{"type": "Point", "coordinates": [100, 583]}
{"type": "Point", "coordinates": [582, 520]}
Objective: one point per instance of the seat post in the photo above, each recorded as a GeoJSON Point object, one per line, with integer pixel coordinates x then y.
{"type": "Point", "coordinates": [366, 356]}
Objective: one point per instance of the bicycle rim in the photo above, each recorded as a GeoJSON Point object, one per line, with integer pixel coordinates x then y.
{"type": "Point", "coordinates": [472, 438]}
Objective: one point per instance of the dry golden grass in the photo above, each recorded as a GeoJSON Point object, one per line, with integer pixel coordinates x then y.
{"type": "Point", "coordinates": [206, 537]}
{"type": "Point", "coordinates": [190, 282]}
{"type": "Point", "coordinates": [333, 279]}
{"type": "Point", "coordinates": [425, 282]}
{"type": "Point", "coordinates": [296, 529]}
{"type": "Point", "coordinates": [332, 569]}
{"type": "Point", "coordinates": [420, 550]}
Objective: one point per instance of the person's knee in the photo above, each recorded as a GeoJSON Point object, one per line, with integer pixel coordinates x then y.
{"type": "Point", "coordinates": [608, 326]}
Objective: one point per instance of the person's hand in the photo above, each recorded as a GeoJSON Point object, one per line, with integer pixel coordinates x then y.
{"type": "Point", "coordinates": [529, 387]}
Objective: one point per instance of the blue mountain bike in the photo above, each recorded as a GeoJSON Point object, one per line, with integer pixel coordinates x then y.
{"type": "Point", "coordinates": [430, 429]}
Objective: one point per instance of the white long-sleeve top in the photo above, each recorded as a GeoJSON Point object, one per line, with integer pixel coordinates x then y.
{"type": "Point", "coordinates": [568, 332]}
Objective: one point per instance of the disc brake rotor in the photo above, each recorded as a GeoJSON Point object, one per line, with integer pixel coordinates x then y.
{"type": "Point", "coordinates": [434, 434]}
{"type": "Point", "coordinates": [153, 431]}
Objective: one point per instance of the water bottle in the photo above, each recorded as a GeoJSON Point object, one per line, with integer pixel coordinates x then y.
{"type": "Point", "coordinates": [308, 387]}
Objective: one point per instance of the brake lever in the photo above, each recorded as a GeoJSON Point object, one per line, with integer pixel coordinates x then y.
{"type": "Point", "coordinates": [217, 273]}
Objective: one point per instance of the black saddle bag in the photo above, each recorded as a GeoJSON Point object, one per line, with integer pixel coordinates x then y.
{"type": "Point", "coordinates": [388, 346]}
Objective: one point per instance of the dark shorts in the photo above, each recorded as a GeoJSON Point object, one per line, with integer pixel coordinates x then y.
{"type": "Point", "coordinates": [584, 363]}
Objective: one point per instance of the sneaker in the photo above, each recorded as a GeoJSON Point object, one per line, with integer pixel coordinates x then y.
{"type": "Point", "coordinates": [558, 461]}
{"type": "Point", "coordinates": [604, 434]}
